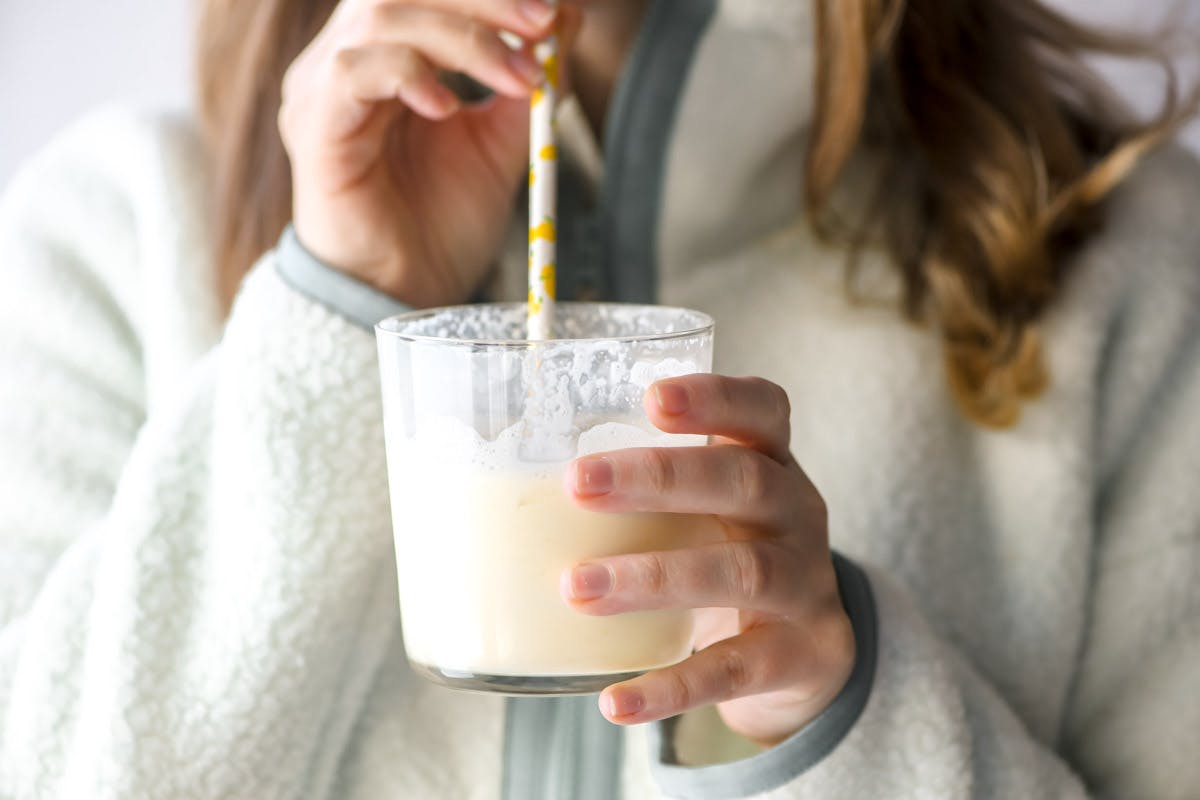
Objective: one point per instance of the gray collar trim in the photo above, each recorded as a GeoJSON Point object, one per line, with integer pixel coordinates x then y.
{"type": "Point", "coordinates": [639, 131]}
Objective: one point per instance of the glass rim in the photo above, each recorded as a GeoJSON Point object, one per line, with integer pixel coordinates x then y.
{"type": "Point", "coordinates": [709, 324]}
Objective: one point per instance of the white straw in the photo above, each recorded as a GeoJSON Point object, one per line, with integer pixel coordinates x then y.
{"type": "Point", "coordinates": [543, 193]}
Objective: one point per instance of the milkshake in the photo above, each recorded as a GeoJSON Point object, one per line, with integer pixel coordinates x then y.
{"type": "Point", "coordinates": [478, 439]}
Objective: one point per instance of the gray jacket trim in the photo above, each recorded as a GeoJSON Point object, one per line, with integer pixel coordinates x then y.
{"type": "Point", "coordinates": [637, 136]}
{"type": "Point", "coordinates": [784, 762]}
{"type": "Point", "coordinates": [362, 304]}
{"type": "Point", "coordinates": [560, 748]}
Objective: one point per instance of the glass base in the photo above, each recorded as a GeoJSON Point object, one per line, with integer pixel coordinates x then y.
{"type": "Point", "coordinates": [521, 685]}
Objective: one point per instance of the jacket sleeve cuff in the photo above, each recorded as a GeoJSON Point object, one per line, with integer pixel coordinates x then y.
{"type": "Point", "coordinates": [358, 302]}
{"type": "Point", "coordinates": [786, 761]}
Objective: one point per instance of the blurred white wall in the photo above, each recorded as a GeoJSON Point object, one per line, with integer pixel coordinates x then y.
{"type": "Point", "coordinates": [60, 57]}
{"type": "Point", "coordinates": [1142, 84]}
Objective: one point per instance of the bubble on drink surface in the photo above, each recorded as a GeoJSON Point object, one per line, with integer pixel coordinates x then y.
{"type": "Point", "coordinates": [475, 323]}
{"type": "Point", "coordinates": [548, 424]}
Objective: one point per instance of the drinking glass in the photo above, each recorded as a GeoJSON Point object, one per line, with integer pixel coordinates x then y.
{"type": "Point", "coordinates": [481, 424]}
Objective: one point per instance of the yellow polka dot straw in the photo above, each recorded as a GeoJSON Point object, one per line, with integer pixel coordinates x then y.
{"type": "Point", "coordinates": [543, 193]}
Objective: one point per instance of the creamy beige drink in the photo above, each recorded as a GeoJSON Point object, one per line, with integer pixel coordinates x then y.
{"type": "Point", "coordinates": [480, 588]}
{"type": "Point", "coordinates": [480, 552]}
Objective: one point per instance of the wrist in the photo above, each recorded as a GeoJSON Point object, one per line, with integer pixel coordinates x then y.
{"type": "Point", "coordinates": [350, 252]}
{"type": "Point", "coordinates": [357, 301]}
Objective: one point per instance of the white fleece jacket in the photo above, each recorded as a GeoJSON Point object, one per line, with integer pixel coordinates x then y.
{"type": "Point", "coordinates": [197, 592]}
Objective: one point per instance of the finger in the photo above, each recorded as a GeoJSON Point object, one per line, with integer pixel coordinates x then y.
{"type": "Point", "coordinates": [460, 44]}
{"type": "Point", "coordinates": [531, 19]}
{"type": "Point", "coordinates": [753, 575]}
{"type": "Point", "coordinates": [381, 72]}
{"type": "Point", "coordinates": [751, 411]}
{"type": "Point", "coordinates": [730, 481]}
{"type": "Point", "coordinates": [502, 126]}
{"type": "Point", "coordinates": [763, 659]}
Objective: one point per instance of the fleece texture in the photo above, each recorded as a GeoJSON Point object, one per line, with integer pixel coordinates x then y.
{"type": "Point", "coordinates": [197, 597]}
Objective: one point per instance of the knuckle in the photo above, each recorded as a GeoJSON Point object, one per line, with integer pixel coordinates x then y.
{"type": "Point", "coordinates": [781, 402]}
{"type": "Point", "coordinates": [404, 68]}
{"type": "Point", "coordinates": [678, 690]}
{"type": "Point", "coordinates": [477, 37]}
{"type": "Point", "coordinates": [775, 397]}
{"type": "Point", "coordinates": [818, 510]}
{"type": "Point", "coordinates": [408, 65]}
{"type": "Point", "coordinates": [383, 14]}
{"type": "Point", "coordinates": [750, 479]}
{"type": "Point", "coordinates": [659, 469]}
{"type": "Point", "coordinates": [652, 572]}
{"type": "Point", "coordinates": [346, 59]}
{"type": "Point", "coordinates": [735, 672]}
{"type": "Point", "coordinates": [479, 44]}
{"type": "Point", "coordinates": [808, 512]}
{"type": "Point", "coordinates": [721, 393]}
{"type": "Point", "coordinates": [782, 663]}
{"type": "Point", "coordinates": [752, 571]}
{"type": "Point", "coordinates": [831, 652]}
{"type": "Point", "coordinates": [836, 634]}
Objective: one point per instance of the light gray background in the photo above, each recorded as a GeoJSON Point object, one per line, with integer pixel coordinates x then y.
{"type": "Point", "coordinates": [58, 58]}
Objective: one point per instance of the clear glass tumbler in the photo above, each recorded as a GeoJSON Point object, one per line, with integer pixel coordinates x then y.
{"type": "Point", "coordinates": [481, 424]}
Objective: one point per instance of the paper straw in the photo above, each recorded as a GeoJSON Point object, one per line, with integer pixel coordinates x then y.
{"type": "Point", "coordinates": [543, 193]}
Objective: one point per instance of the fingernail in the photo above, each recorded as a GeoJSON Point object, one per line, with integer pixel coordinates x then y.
{"type": "Point", "coordinates": [593, 477]}
{"type": "Point", "coordinates": [625, 703]}
{"type": "Point", "coordinates": [538, 12]}
{"type": "Point", "coordinates": [672, 398]}
{"type": "Point", "coordinates": [590, 582]}
{"type": "Point", "coordinates": [524, 65]}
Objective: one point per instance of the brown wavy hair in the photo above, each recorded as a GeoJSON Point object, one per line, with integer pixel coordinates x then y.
{"type": "Point", "coordinates": [997, 147]}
